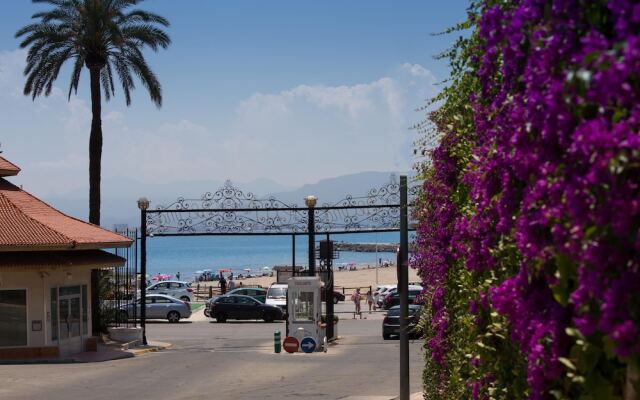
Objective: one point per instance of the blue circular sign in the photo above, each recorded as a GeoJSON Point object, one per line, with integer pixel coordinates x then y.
{"type": "Point", "coordinates": [308, 344]}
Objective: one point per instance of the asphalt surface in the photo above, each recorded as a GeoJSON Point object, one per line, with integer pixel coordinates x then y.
{"type": "Point", "coordinates": [234, 360]}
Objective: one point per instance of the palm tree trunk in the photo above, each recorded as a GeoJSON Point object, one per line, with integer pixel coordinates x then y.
{"type": "Point", "coordinates": [95, 147]}
{"type": "Point", "coordinates": [95, 158]}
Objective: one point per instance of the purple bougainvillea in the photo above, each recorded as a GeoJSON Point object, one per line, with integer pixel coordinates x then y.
{"type": "Point", "coordinates": [554, 169]}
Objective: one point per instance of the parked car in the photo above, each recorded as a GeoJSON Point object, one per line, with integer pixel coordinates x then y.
{"type": "Point", "coordinates": [337, 296]}
{"type": "Point", "coordinates": [380, 292]}
{"type": "Point", "coordinates": [259, 294]}
{"type": "Point", "coordinates": [391, 322]}
{"type": "Point", "coordinates": [393, 298]}
{"type": "Point", "coordinates": [158, 306]}
{"type": "Point", "coordinates": [178, 289]}
{"type": "Point", "coordinates": [242, 307]}
{"type": "Point", "coordinates": [277, 295]}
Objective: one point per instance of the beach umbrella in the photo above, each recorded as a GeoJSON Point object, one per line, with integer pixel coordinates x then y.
{"type": "Point", "coordinates": [247, 269]}
{"type": "Point", "coordinates": [266, 269]}
{"type": "Point", "coordinates": [225, 270]}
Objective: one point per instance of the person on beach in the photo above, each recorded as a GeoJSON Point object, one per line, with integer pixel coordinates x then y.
{"type": "Point", "coordinates": [369, 300]}
{"type": "Point", "coordinates": [223, 285]}
{"type": "Point", "coordinates": [177, 276]}
{"type": "Point", "coordinates": [356, 298]}
{"type": "Point", "coordinates": [232, 283]}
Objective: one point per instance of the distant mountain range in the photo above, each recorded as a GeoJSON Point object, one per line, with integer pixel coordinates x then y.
{"type": "Point", "coordinates": [119, 195]}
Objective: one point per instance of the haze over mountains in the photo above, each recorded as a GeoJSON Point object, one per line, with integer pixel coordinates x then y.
{"type": "Point", "coordinates": [119, 195]}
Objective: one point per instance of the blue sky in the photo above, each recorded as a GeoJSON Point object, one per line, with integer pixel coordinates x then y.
{"type": "Point", "coordinates": [250, 89]}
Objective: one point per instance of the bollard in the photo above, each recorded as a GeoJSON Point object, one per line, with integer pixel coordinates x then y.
{"type": "Point", "coordinates": [277, 346]}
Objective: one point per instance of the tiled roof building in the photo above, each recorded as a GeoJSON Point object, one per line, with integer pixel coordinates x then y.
{"type": "Point", "coordinates": [46, 258]}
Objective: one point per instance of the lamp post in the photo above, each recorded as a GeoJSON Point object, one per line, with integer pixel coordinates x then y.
{"type": "Point", "coordinates": [143, 205]}
{"type": "Point", "coordinates": [310, 202]}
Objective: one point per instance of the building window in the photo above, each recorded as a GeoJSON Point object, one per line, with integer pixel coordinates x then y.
{"type": "Point", "coordinates": [54, 314]}
{"type": "Point", "coordinates": [13, 317]}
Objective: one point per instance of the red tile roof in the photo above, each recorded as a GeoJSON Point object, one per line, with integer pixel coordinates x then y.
{"type": "Point", "coordinates": [29, 224]}
{"type": "Point", "coordinates": [25, 260]}
{"type": "Point", "coordinates": [7, 168]}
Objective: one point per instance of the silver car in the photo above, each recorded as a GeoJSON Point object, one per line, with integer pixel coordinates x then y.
{"type": "Point", "coordinates": [158, 306]}
{"type": "Point", "coordinates": [178, 289]}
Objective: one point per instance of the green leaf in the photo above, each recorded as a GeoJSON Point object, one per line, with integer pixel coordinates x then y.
{"type": "Point", "coordinates": [567, 363]}
{"type": "Point", "coordinates": [599, 388]}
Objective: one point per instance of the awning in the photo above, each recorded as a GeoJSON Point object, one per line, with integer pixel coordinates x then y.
{"type": "Point", "coordinates": [52, 260]}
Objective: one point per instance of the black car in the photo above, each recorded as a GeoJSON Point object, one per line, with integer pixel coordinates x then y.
{"type": "Point", "coordinates": [337, 296]}
{"type": "Point", "coordinates": [393, 299]}
{"type": "Point", "coordinates": [391, 322]}
{"type": "Point", "coordinates": [242, 307]}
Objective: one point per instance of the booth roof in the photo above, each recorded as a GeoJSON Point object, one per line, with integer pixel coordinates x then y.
{"type": "Point", "coordinates": [29, 224]}
{"type": "Point", "coordinates": [7, 168]}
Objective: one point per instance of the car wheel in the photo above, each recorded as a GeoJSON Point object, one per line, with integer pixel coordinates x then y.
{"type": "Point", "coordinates": [269, 317]}
{"type": "Point", "coordinates": [386, 336]}
{"type": "Point", "coordinates": [185, 298]}
{"type": "Point", "coordinates": [335, 299]}
{"type": "Point", "coordinates": [221, 318]}
{"type": "Point", "coordinates": [173, 316]}
{"type": "Point", "coordinates": [124, 316]}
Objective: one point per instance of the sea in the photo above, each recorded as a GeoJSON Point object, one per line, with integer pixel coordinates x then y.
{"type": "Point", "coordinates": [249, 254]}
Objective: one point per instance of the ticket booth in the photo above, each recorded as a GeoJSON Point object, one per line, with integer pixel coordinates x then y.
{"type": "Point", "coordinates": [304, 308]}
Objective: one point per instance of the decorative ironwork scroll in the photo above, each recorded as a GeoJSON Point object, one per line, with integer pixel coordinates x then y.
{"type": "Point", "coordinates": [230, 211]}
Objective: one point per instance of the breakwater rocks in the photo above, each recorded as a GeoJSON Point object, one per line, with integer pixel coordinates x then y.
{"type": "Point", "coordinates": [367, 247]}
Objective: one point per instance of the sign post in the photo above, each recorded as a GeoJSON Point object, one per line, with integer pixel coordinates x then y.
{"type": "Point", "coordinates": [291, 344]}
{"type": "Point", "coordinates": [308, 344]}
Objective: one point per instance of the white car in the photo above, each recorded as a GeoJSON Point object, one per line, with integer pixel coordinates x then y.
{"type": "Point", "coordinates": [277, 295]}
{"type": "Point", "coordinates": [176, 289]}
{"type": "Point", "coordinates": [381, 289]}
{"type": "Point", "coordinates": [381, 292]}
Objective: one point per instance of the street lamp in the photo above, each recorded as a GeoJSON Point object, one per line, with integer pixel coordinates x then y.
{"type": "Point", "coordinates": [310, 202]}
{"type": "Point", "coordinates": [143, 205]}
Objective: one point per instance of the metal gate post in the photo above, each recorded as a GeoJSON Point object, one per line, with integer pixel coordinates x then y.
{"type": "Point", "coordinates": [403, 290]}
{"type": "Point", "coordinates": [310, 201]}
{"type": "Point", "coordinates": [143, 205]}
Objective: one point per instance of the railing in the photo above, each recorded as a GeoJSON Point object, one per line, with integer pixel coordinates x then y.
{"type": "Point", "coordinates": [203, 292]}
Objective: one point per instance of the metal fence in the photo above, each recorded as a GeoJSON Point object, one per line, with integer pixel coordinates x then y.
{"type": "Point", "coordinates": [120, 285]}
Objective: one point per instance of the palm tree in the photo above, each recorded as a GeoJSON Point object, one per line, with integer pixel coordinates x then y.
{"type": "Point", "coordinates": [107, 37]}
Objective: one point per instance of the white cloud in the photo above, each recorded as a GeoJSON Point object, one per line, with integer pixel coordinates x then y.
{"type": "Point", "coordinates": [295, 136]}
{"type": "Point", "coordinates": [418, 70]}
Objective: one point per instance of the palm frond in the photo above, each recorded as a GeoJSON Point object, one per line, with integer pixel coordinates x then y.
{"type": "Point", "coordinates": [106, 34]}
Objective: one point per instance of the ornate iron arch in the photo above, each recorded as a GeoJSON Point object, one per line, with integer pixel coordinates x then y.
{"type": "Point", "coordinates": [231, 211]}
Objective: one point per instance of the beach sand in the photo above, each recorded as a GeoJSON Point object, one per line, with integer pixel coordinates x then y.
{"type": "Point", "coordinates": [362, 277]}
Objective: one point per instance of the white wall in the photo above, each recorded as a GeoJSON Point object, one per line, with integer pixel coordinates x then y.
{"type": "Point", "coordinates": [38, 286]}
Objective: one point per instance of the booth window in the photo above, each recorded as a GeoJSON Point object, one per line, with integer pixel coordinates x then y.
{"type": "Point", "coordinates": [13, 317]}
{"type": "Point", "coordinates": [54, 314]}
{"type": "Point", "coordinates": [303, 307]}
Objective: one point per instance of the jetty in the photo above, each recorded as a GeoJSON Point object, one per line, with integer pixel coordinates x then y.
{"type": "Point", "coordinates": [367, 247]}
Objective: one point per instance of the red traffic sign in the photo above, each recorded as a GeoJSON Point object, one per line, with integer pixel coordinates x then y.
{"type": "Point", "coordinates": [291, 344]}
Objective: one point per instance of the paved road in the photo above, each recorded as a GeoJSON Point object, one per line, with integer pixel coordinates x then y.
{"type": "Point", "coordinates": [226, 361]}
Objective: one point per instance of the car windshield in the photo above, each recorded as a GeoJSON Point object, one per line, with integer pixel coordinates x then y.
{"type": "Point", "coordinates": [277, 293]}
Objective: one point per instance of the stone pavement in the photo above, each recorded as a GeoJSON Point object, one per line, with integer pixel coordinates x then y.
{"type": "Point", "coordinates": [414, 396]}
{"type": "Point", "coordinates": [106, 352]}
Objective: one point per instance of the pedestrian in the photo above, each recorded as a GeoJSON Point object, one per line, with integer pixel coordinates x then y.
{"type": "Point", "coordinates": [356, 298]}
{"type": "Point", "coordinates": [223, 285]}
{"type": "Point", "coordinates": [178, 275]}
{"type": "Point", "coordinates": [369, 300]}
{"type": "Point", "coordinates": [232, 283]}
